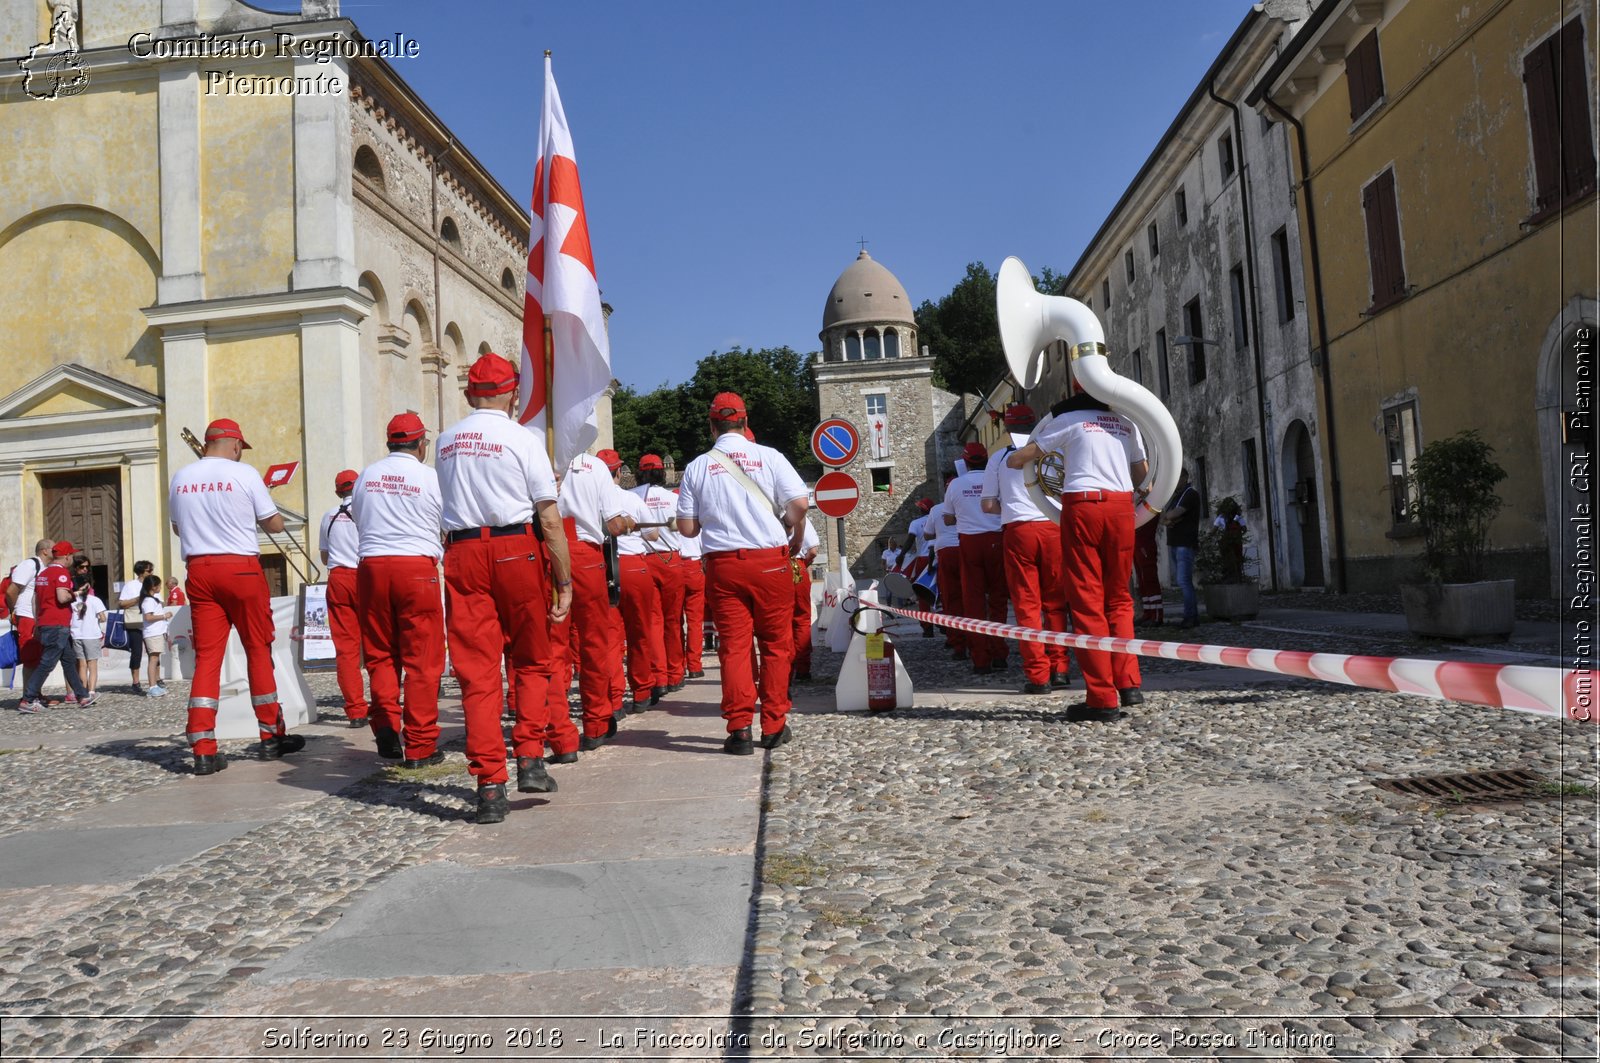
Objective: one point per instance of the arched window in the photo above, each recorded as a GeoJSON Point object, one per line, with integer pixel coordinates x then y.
{"type": "Point", "coordinates": [449, 233]}
{"type": "Point", "coordinates": [507, 280]}
{"type": "Point", "coordinates": [874, 346]}
{"type": "Point", "coordinates": [852, 348]}
{"type": "Point", "coordinates": [891, 343]}
{"type": "Point", "coordinates": [368, 166]}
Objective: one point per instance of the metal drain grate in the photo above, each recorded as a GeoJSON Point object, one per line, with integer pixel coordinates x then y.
{"type": "Point", "coordinates": [1515, 785]}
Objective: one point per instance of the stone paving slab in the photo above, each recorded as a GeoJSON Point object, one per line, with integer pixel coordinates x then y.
{"type": "Point", "coordinates": [104, 854]}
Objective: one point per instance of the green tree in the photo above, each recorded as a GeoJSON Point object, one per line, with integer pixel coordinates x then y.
{"type": "Point", "coordinates": [962, 330]}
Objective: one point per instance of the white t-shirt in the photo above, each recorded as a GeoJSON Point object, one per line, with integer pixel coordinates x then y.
{"type": "Point", "coordinates": [587, 497]}
{"type": "Point", "coordinates": [492, 472]}
{"type": "Point", "coordinates": [339, 537]}
{"type": "Point", "coordinates": [91, 625]}
{"type": "Point", "coordinates": [1096, 446]}
{"type": "Point", "coordinates": [633, 543]}
{"type": "Point", "coordinates": [153, 605]}
{"type": "Point", "coordinates": [890, 558]}
{"type": "Point", "coordinates": [918, 546]}
{"type": "Point", "coordinates": [945, 536]}
{"type": "Point", "coordinates": [691, 549]}
{"type": "Point", "coordinates": [30, 571]}
{"type": "Point", "coordinates": [216, 504]}
{"type": "Point", "coordinates": [397, 506]}
{"type": "Point", "coordinates": [661, 504]}
{"type": "Point", "coordinates": [731, 517]}
{"type": "Point", "coordinates": [132, 590]}
{"type": "Point", "coordinates": [1010, 486]}
{"type": "Point", "coordinates": [810, 542]}
{"type": "Point", "coordinates": [964, 498]}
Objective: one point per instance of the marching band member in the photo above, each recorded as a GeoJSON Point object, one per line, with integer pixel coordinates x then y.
{"type": "Point", "coordinates": [498, 488]}
{"type": "Point", "coordinates": [217, 503]}
{"type": "Point", "coordinates": [694, 606]}
{"type": "Point", "coordinates": [730, 495]}
{"type": "Point", "coordinates": [983, 579]}
{"type": "Point", "coordinates": [947, 550]}
{"type": "Point", "coordinates": [340, 545]}
{"type": "Point", "coordinates": [588, 498]}
{"type": "Point", "coordinates": [1031, 548]}
{"type": "Point", "coordinates": [922, 547]}
{"type": "Point", "coordinates": [641, 606]}
{"type": "Point", "coordinates": [666, 567]}
{"type": "Point", "coordinates": [800, 670]}
{"type": "Point", "coordinates": [398, 506]}
{"type": "Point", "coordinates": [1103, 458]}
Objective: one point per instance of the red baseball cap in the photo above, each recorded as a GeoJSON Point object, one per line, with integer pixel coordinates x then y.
{"type": "Point", "coordinates": [727, 406]}
{"type": "Point", "coordinates": [406, 427]}
{"type": "Point", "coordinates": [650, 461]}
{"type": "Point", "coordinates": [924, 504]}
{"type": "Point", "coordinates": [491, 375]}
{"type": "Point", "coordinates": [1020, 413]}
{"type": "Point", "coordinates": [63, 549]}
{"type": "Point", "coordinates": [975, 450]}
{"type": "Point", "coordinates": [612, 459]}
{"type": "Point", "coordinates": [345, 480]}
{"type": "Point", "coordinates": [224, 428]}
{"type": "Point", "coordinates": [751, 436]}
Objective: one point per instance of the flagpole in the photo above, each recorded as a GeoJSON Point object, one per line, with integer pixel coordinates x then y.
{"type": "Point", "coordinates": [549, 392]}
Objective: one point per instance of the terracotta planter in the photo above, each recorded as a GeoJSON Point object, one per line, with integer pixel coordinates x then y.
{"type": "Point", "coordinates": [1461, 610]}
{"type": "Point", "coordinates": [1232, 601]}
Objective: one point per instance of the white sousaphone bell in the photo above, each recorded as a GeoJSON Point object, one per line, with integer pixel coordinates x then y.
{"type": "Point", "coordinates": [1030, 322]}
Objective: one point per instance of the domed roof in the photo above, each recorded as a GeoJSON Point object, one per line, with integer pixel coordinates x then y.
{"type": "Point", "coordinates": [867, 293]}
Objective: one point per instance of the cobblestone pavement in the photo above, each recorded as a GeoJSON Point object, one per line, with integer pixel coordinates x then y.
{"type": "Point", "coordinates": [1215, 873]}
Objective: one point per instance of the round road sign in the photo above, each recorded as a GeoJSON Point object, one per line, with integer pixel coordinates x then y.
{"type": "Point", "coordinates": [835, 442]}
{"type": "Point", "coordinates": [837, 493]}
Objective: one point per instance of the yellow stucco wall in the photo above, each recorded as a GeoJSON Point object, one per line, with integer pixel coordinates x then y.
{"type": "Point", "coordinates": [76, 281]}
{"type": "Point", "coordinates": [256, 381]}
{"type": "Point", "coordinates": [1483, 289]}
{"type": "Point", "coordinates": [247, 187]}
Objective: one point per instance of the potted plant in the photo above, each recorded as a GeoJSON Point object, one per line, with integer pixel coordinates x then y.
{"type": "Point", "coordinates": [1225, 573]}
{"type": "Point", "coordinates": [1454, 500]}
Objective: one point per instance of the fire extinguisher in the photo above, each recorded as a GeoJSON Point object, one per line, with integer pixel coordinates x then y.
{"type": "Point", "coordinates": [881, 693]}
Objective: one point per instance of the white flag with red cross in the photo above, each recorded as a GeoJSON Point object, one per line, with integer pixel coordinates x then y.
{"type": "Point", "coordinates": [561, 285]}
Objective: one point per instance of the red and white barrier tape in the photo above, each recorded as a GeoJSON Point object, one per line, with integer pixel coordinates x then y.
{"type": "Point", "coordinates": [1564, 693]}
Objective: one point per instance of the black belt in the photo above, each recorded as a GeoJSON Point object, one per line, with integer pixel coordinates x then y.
{"type": "Point", "coordinates": [465, 534]}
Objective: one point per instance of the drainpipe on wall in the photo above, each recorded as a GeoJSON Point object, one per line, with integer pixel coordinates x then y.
{"type": "Point", "coordinates": [438, 315]}
{"type": "Point", "coordinates": [1265, 472]}
{"type": "Point", "coordinates": [1337, 496]}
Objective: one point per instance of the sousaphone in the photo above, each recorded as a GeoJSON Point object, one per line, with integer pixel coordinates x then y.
{"type": "Point", "coordinates": [1029, 322]}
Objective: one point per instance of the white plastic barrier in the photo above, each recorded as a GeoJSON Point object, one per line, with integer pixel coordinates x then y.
{"type": "Point", "coordinates": [850, 692]}
{"type": "Point", "coordinates": [235, 716]}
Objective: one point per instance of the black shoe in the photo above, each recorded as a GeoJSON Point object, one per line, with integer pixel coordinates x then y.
{"type": "Point", "coordinates": [1084, 714]}
{"type": "Point", "coordinates": [590, 744]}
{"type": "Point", "coordinates": [562, 758]}
{"type": "Point", "coordinates": [739, 743]}
{"type": "Point", "coordinates": [492, 803]}
{"type": "Point", "coordinates": [1060, 680]}
{"type": "Point", "coordinates": [675, 687]}
{"type": "Point", "coordinates": [927, 632]}
{"type": "Point", "coordinates": [1130, 696]}
{"type": "Point", "coordinates": [436, 757]}
{"type": "Point", "coordinates": [782, 738]}
{"type": "Point", "coordinates": [1036, 688]}
{"type": "Point", "coordinates": [532, 778]}
{"type": "Point", "coordinates": [982, 669]}
{"type": "Point", "coordinates": [360, 721]}
{"type": "Point", "coordinates": [805, 678]}
{"type": "Point", "coordinates": [958, 655]}
{"type": "Point", "coordinates": [656, 694]}
{"type": "Point", "coordinates": [273, 748]}
{"type": "Point", "coordinates": [210, 764]}
{"type": "Point", "coordinates": [696, 675]}
{"type": "Point", "coordinates": [389, 747]}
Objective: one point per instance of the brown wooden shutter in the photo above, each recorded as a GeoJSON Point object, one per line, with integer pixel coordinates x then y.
{"type": "Point", "coordinates": [1577, 144]}
{"type": "Point", "coordinates": [1383, 239]}
{"type": "Point", "coordinates": [1363, 75]}
{"type": "Point", "coordinates": [1539, 79]}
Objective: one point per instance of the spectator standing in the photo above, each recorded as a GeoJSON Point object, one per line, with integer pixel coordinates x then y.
{"type": "Point", "coordinates": [88, 635]}
{"type": "Point", "coordinates": [52, 599]}
{"type": "Point", "coordinates": [155, 618]}
{"type": "Point", "coordinates": [19, 596]}
{"type": "Point", "coordinates": [133, 619]}
{"type": "Point", "coordinates": [175, 595]}
{"type": "Point", "coordinates": [1182, 521]}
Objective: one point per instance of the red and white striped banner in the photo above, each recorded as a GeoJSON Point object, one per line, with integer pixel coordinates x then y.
{"type": "Point", "coordinates": [1564, 693]}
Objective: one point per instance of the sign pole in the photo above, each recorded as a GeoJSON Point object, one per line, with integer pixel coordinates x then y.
{"type": "Point", "coordinates": [843, 570]}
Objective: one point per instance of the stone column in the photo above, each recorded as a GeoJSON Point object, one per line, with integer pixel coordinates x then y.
{"type": "Point", "coordinates": [330, 373]}
{"type": "Point", "coordinates": [182, 269]}
{"type": "Point", "coordinates": [186, 366]}
{"type": "Point", "coordinates": [324, 210]}
{"type": "Point", "coordinates": [15, 540]}
{"type": "Point", "coordinates": [145, 533]}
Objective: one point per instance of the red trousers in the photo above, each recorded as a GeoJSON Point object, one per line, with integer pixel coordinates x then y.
{"type": "Point", "coordinates": [402, 634]}
{"type": "Point", "coordinates": [344, 618]}
{"type": "Point", "coordinates": [641, 619]}
{"type": "Point", "coordinates": [561, 736]}
{"type": "Point", "coordinates": [694, 613]}
{"type": "Point", "coordinates": [227, 592]}
{"type": "Point", "coordinates": [950, 603]}
{"type": "Point", "coordinates": [666, 569]}
{"type": "Point", "coordinates": [1146, 568]}
{"type": "Point", "coordinates": [802, 620]}
{"type": "Point", "coordinates": [29, 649]}
{"type": "Point", "coordinates": [1033, 575]}
{"type": "Point", "coordinates": [983, 593]}
{"type": "Point", "coordinates": [751, 597]}
{"type": "Point", "coordinates": [599, 641]}
{"type": "Point", "coordinates": [1097, 558]}
{"type": "Point", "coordinates": [499, 603]}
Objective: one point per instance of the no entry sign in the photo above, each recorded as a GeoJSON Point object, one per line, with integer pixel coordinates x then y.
{"type": "Point", "coordinates": [837, 494]}
{"type": "Point", "coordinates": [835, 442]}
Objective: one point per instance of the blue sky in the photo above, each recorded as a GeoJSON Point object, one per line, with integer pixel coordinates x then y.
{"type": "Point", "coordinates": [732, 154]}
